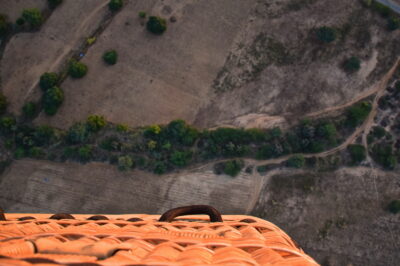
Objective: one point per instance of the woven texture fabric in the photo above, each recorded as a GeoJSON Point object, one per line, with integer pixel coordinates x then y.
{"type": "Point", "coordinates": [35, 239]}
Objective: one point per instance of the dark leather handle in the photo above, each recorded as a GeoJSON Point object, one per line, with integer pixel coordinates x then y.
{"type": "Point", "coordinates": [215, 216]}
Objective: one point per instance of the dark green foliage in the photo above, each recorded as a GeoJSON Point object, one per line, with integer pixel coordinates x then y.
{"type": "Point", "coordinates": [85, 153]}
{"type": "Point", "coordinates": [296, 161]}
{"type": "Point", "coordinates": [358, 113]}
{"type": "Point", "coordinates": [70, 152]}
{"type": "Point", "coordinates": [178, 131]}
{"type": "Point", "coordinates": [52, 100]}
{"type": "Point", "coordinates": [33, 16]}
{"type": "Point", "coordinates": [20, 21]}
{"type": "Point", "coordinates": [326, 34]}
{"type": "Point", "coordinates": [4, 26]}
{"type": "Point", "coordinates": [327, 131]}
{"type": "Point", "coordinates": [78, 133]}
{"type": "Point", "coordinates": [36, 153]}
{"type": "Point", "coordinates": [7, 124]}
{"type": "Point", "coordinates": [352, 64]}
{"type": "Point", "coordinates": [383, 154]}
{"type": "Point", "coordinates": [233, 167]}
{"type": "Point", "coordinates": [110, 144]}
{"type": "Point", "coordinates": [394, 206]}
{"type": "Point", "coordinates": [77, 69]}
{"type": "Point", "coordinates": [160, 167]}
{"type": "Point", "coordinates": [54, 3]}
{"type": "Point", "coordinates": [266, 152]}
{"type": "Point", "coordinates": [96, 122]}
{"type": "Point", "coordinates": [115, 5]}
{"type": "Point", "coordinates": [258, 135]}
{"type": "Point", "coordinates": [383, 10]}
{"type": "Point", "coordinates": [125, 163]}
{"type": "Point", "coordinates": [110, 57]}
{"type": "Point", "coordinates": [156, 25]}
{"type": "Point", "coordinates": [378, 132]}
{"type": "Point", "coordinates": [393, 23]}
{"type": "Point", "coordinates": [29, 109]}
{"type": "Point", "coordinates": [142, 14]}
{"type": "Point", "coordinates": [3, 103]}
{"type": "Point", "coordinates": [357, 153]}
{"type": "Point", "coordinates": [19, 153]}
{"type": "Point", "coordinates": [44, 135]}
{"type": "Point", "coordinates": [48, 80]}
{"type": "Point", "coordinates": [181, 158]}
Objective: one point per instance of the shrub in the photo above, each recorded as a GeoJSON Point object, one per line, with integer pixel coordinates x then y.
{"type": "Point", "coordinates": [19, 153]}
{"type": "Point", "coordinates": [110, 57]}
{"type": "Point", "coordinates": [326, 34]}
{"type": "Point", "coordinates": [54, 3]}
{"type": "Point", "coordinates": [181, 158]}
{"type": "Point", "coordinates": [29, 109]}
{"type": "Point", "coordinates": [352, 64]}
{"type": "Point", "coordinates": [296, 161]}
{"type": "Point", "coordinates": [4, 26]}
{"type": "Point", "coordinates": [115, 5]}
{"type": "Point", "coordinates": [96, 122]}
{"type": "Point", "coordinates": [44, 135]}
{"type": "Point", "coordinates": [233, 167]}
{"type": "Point", "coordinates": [142, 14]}
{"type": "Point", "coordinates": [110, 144]}
{"type": "Point", "coordinates": [358, 113]}
{"type": "Point", "coordinates": [8, 124]}
{"type": "Point", "coordinates": [122, 128]}
{"type": "Point", "coordinates": [125, 163]}
{"type": "Point", "coordinates": [48, 80]}
{"type": "Point", "coordinates": [383, 154]}
{"type": "Point", "coordinates": [85, 153]}
{"type": "Point", "coordinates": [394, 206]}
{"type": "Point", "coordinates": [266, 152]}
{"type": "Point", "coordinates": [160, 167]}
{"type": "Point", "coordinates": [179, 132]}
{"type": "Point", "coordinates": [90, 41]}
{"type": "Point", "coordinates": [378, 132]}
{"type": "Point", "coordinates": [156, 25]}
{"type": "Point", "coordinates": [152, 131]}
{"type": "Point", "coordinates": [78, 133]}
{"type": "Point", "coordinates": [393, 23]}
{"type": "Point", "coordinates": [52, 100]}
{"type": "Point", "coordinates": [77, 69]}
{"type": "Point", "coordinates": [33, 16]}
{"type": "Point", "coordinates": [36, 152]}
{"type": "Point", "coordinates": [357, 153]}
{"type": "Point", "coordinates": [3, 103]}
{"type": "Point", "coordinates": [383, 10]}
{"type": "Point", "coordinates": [20, 21]}
{"type": "Point", "coordinates": [327, 130]}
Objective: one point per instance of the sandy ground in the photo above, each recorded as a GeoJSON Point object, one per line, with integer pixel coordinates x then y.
{"type": "Point", "coordinates": [28, 55]}
{"type": "Point", "coordinates": [157, 78]}
{"type": "Point", "coordinates": [13, 9]}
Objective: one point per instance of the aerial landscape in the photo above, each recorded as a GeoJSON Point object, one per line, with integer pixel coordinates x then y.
{"type": "Point", "coordinates": [286, 110]}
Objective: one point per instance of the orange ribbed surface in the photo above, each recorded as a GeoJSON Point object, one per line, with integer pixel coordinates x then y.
{"type": "Point", "coordinates": [143, 240]}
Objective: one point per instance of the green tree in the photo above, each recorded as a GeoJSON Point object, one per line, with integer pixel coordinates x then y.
{"type": "Point", "coordinates": [181, 158]}
{"type": "Point", "coordinates": [20, 21]}
{"type": "Point", "coordinates": [233, 167]}
{"type": "Point", "coordinates": [52, 100]}
{"type": "Point", "coordinates": [36, 152]}
{"type": "Point", "coordinates": [296, 161]}
{"type": "Point", "coordinates": [4, 25]}
{"type": "Point", "coordinates": [78, 133]}
{"type": "Point", "coordinates": [29, 109]}
{"type": "Point", "coordinates": [96, 122]}
{"type": "Point", "coordinates": [33, 16]}
{"type": "Point", "coordinates": [48, 80]}
{"type": "Point", "coordinates": [326, 34]}
{"type": "Point", "coordinates": [352, 64]}
{"type": "Point", "coordinates": [160, 167]}
{"type": "Point", "coordinates": [77, 69]}
{"type": "Point", "coordinates": [44, 135]}
{"type": "Point", "coordinates": [156, 25]}
{"type": "Point", "coordinates": [358, 113]}
{"type": "Point", "coordinates": [125, 163]}
{"type": "Point", "coordinates": [115, 5]}
{"type": "Point", "coordinates": [394, 206]}
{"type": "Point", "coordinates": [3, 103]}
{"type": "Point", "coordinates": [110, 57]}
{"type": "Point", "coordinates": [357, 153]}
{"type": "Point", "coordinates": [142, 14]}
{"type": "Point", "coordinates": [85, 153]}
{"type": "Point", "coordinates": [393, 23]}
{"type": "Point", "coordinates": [7, 124]}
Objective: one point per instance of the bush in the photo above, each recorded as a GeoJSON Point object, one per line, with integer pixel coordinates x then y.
{"type": "Point", "coordinates": [125, 163]}
{"type": "Point", "coordinates": [3, 103]}
{"type": "Point", "coordinates": [110, 144]}
{"type": "Point", "coordinates": [4, 26]}
{"type": "Point", "coordinates": [48, 80]}
{"type": "Point", "coordinates": [52, 100]}
{"type": "Point", "coordinates": [33, 16]}
{"type": "Point", "coordinates": [383, 154]}
{"type": "Point", "coordinates": [233, 167]}
{"type": "Point", "coordinates": [160, 167]}
{"type": "Point", "coordinates": [44, 135]}
{"type": "Point", "coordinates": [378, 132]}
{"type": "Point", "coordinates": [181, 158]}
{"type": "Point", "coordinates": [85, 153]}
{"type": "Point", "coordinates": [358, 113]}
{"type": "Point", "coordinates": [20, 21]}
{"type": "Point", "coordinates": [383, 10]}
{"type": "Point", "coordinates": [296, 161]}
{"type": "Point", "coordinates": [394, 206]}
{"type": "Point", "coordinates": [179, 132]}
{"type": "Point", "coordinates": [122, 128]}
{"type": "Point", "coordinates": [54, 3]}
{"type": "Point", "coordinates": [96, 122]}
{"type": "Point", "coordinates": [115, 5]}
{"type": "Point", "coordinates": [19, 153]}
{"type": "Point", "coordinates": [77, 69]}
{"type": "Point", "coordinates": [36, 152]}
{"type": "Point", "coordinates": [326, 34]}
{"type": "Point", "coordinates": [29, 109]}
{"type": "Point", "coordinates": [156, 25]}
{"type": "Point", "coordinates": [142, 14]}
{"type": "Point", "coordinates": [393, 23]}
{"type": "Point", "coordinates": [78, 133]}
{"type": "Point", "coordinates": [357, 153]}
{"type": "Point", "coordinates": [352, 64]}
{"type": "Point", "coordinates": [7, 124]}
{"type": "Point", "coordinates": [110, 57]}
